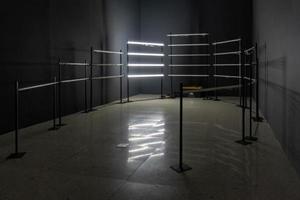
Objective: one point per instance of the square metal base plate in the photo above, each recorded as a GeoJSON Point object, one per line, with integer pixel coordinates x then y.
{"type": "Point", "coordinates": [16, 155]}
{"type": "Point", "coordinates": [181, 169]}
{"type": "Point", "coordinates": [243, 142]}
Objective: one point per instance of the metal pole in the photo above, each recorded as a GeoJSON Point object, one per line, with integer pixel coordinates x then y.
{"type": "Point", "coordinates": [54, 106]}
{"type": "Point", "coordinates": [215, 73]}
{"type": "Point", "coordinates": [257, 118]}
{"type": "Point", "coordinates": [240, 70]}
{"type": "Point", "coordinates": [251, 137]}
{"type": "Point", "coordinates": [91, 80]}
{"type": "Point", "coordinates": [121, 78]}
{"type": "Point", "coordinates": [181, 167]}
{"type": "Point", "coordinates": [243, 141]}
{"type": "Point", "coordinates": [128, 87]}
{"type": "Point", "coordinates": [171, 68]}
{"type": "Point", "coordinates": [59, 96]}
{"type": "Point", "coordinates": [162, 78]}
{"type": "Point", "coordinates": [85, 88]}
{"type": "Point", "coordinates": [16, 154]}
{"type": "Point", "coordinates": [207, 68]}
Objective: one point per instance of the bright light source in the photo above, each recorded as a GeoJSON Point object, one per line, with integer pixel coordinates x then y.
{"type": "Point", "coordinates": [145, 76]}
{"type": "Point", "coordinates": [146, 54]}
{"type": "Point", "coordinates": [138, 150]}
{"type": "Point", "coordinates": [145, 65]}
{"type": "Point", "coordinates": [146, 43]}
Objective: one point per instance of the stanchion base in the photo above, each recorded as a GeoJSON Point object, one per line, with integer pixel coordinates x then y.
{"type": "Point", "coordinates": [216, 99]}
{"type": "Point", "coordinates": [243, 142]}
{"type": "Point", "coordinates": [16, 155]}
{"type": "Point", "coordinates": [251, 138]}
{"type": "Point", "coordinates": [180, 169]}
{"type": "Point", "coordinates": [54, 128]}
{"type": "Point", "coordinates": [260, 119]}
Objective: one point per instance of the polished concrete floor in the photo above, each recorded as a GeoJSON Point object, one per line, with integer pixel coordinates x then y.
{"type": "Point", "coordinates": [82, 160]}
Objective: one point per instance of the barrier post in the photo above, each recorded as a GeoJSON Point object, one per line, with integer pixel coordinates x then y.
{"type": "Point", "coordinates": [16, 154]}
{"type": "Point", "coordinates": [59, 97]}
{"type": "Point", "coordinates": [128, 87]}
{"type": "Point", "coordinates": [257, 117]}
{"type": "Point", "coordinates": [85, 88]}
{"type": "Point", "coordinates": [171, 68]}
{"type": "Point", "coordinates": [54, 106]}
{"type": "Point", "coordinates": [251, 137]}
{"type": "Point", "coordinates": [91, 80]}
{"type": "Point", "coordinates": [162, 78]}
{"type": "Point", "coordinates": [121, 76]}
{"type": "Point", "coordinates": [243, 140]}
{"type": "Point", "coordinates": [215, 73]}
{"type": "Point", "coordinates": [181, 167]}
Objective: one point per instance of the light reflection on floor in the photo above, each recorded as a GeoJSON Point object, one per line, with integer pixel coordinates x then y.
{"type": "Point", "coordinates": [146, 138]}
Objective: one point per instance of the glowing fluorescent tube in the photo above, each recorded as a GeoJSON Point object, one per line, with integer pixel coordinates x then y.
{"type": "Point", "coordinates": [146, 43]}
{"type": "Point", "coordinates": [145, 76]}
{"type": "Point", "coordinates": [146, 54]}
{"type": "Point", "coordinates": [145, 65]}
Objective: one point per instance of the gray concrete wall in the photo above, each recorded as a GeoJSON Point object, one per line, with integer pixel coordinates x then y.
{"type": "Point", "coordinates": [277, 28]}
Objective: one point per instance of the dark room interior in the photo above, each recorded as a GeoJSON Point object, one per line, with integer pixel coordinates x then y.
{"type": "Point", "coordinates": [150, 99]}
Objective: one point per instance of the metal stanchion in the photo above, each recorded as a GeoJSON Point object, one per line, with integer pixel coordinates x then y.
{"type": "Point", "coordinates": [171, 68]}
{"type": "Point", "coordinates": [162, 78]}
{"type": "Point", "coordinates": [54, 106]}
{"type": "Point", "coordinates": [215, 73]}
{"type": "Point", "coordinates": [121, 78]}
{"type": "Point", "coordinates": [91, 81]}
{"type": "Point", "coordinates": [16, 154]}
{"type": "Point", "coordinates": [59, 97]}
{"type": "Point", "coordinates": [257, 117]}
{"type": "Point", "coordinates": [85, 89]}
{"type": "Point", "coordinates": [251, 137]}
{"type": "Point", "coordinates": [181, 167]}
{"type": "Point", "coordinates": [243, 140]}
{"type": "Point", "coordinates": [127, 60]}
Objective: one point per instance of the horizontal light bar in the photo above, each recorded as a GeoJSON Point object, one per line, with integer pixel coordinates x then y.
{"type": "Point", "coordinates": [146, 54]}
{"type": "Point", "coordinates": [107, 77]}
{"type": "Point", "coordinates": [146, 44]}
{"type": "Point", "coordinates": [227, 41]}
{"type": "Point", "coordinates": [145, 75]}
{"type": "Point", "coordinates": [108, 52]}
{"type": "Point", "coordinates": [227, 53]}
{"type": "Point", "coordinates": [225, 76]}
{"type": "Point", "coordinates": [187, 34]}
{"type": "Point", "coordinates": [187, 75]}
{"type": "Point", "coordinates": [190, 65]}
{"type": "Point", "coordinates": [188, 45]}
{"type": "Point", "coordinates": [188, 55]}
{"type": "Point", "coordinates": [145, 65]}
{"type": "Point", "coordinates": [73, 64]}
{"type": "Point", "coordinates": [37, 86]}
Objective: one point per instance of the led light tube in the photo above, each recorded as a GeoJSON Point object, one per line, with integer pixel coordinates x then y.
{"type": "Point", "coordinates": [145, 76]}
{"type": "Point", "coordinates": [146, 43]}
{"type": "Point", "coordinates": [146, 54]}
{"type": "Point", "coordinates": [145, 65]}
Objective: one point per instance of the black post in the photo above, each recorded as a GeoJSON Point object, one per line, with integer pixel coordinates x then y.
{"type": "Point", "coordinates": [121, 78]}
{"type": "Point", "coordinates": [162, 78]}
{"type": "Point", "coordinates": [16, 154]}
{"type": "Point", "coordinates": [243, 141]}
{"type": "Point", "coordinates": [54, 106]}
{"type": "Point", "coordinates": [171, 68]}
{"type": "Point", "coordinates": [251, 137]}
{"type": "Point", "coordinates": [85, 88]}
{"type": "Point", "coordinates": [240, 71]}
{"type": "Point", "coordinates": [215, 73]}
{"type": "Point", "coordinates": [208, 61]}
{"type": "Point", "coordinates": [59, 96]}
{"type": "Point", "coordinates": [181, 167]}
{"type": "Point", "coordinates": [257, 118]}
{"type": "Point", "coordinates": [127, 60]}
{"type": "Point", "coordinates": [91, 80]}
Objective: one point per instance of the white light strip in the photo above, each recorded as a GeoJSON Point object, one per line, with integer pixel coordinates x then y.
{"type": "Point", "coordinates": [145, 65]}
{"type": "Point", "coordinates": [227, 53]}
{"type": "Point", "coordinates": [187, 35]}
{"type": "Point", "coordinates": [108, 52]}
{"type": "Point", "coordinates": [145, 76]}
{"type": "Point", "coordinates": [187, 75]}
{"type": "Point", "coordinates": [227, 41]}
{"type": "Point", "coordinates": [146, 54]}
{"type": "Point", "coordinates": [190, 65]}
{"type": "Point", "coordinates": [187, 45]}
{"type": "Point", "coordinates": [146, 43]}
{"type": "Point", "coordinates": [188, 55]}
{"type": "Point", "coordinates": [225, 76]}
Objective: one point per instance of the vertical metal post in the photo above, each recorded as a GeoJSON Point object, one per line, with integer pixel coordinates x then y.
{"type": "Point", "coordinates": [127, 60]}
{"type": "Point", "coordinates": [85, 88]}
{"type": "Point", "coordinates": [181, 167]}
{"type": "Point", "coordinates": [59, 96]}
{"type": "Point", "coordinates": [121, 76]}
{"type": "Point", "coordinates": [240, 70]}
{"type": "Point", "coordinates": [251, 137]}
{"type": "Point", "coordinates": [208, 61]}
{"type": "Point", "coordinates": [162, 78]}
{"type": "Point", "coordinates": [257, 118]}
{"type": "Point", "coordinates": [215, 72]}
{"type": "Point", "coordinates": [243, 140]}
{"type": "Point", "coordinates": [16, 154]}
{"type": "Point", "coordinates": [91, 80]}
{"type": "Point", "coordinates": [54, 105]}
{"type": "Point", "coordinates": [171, 68]}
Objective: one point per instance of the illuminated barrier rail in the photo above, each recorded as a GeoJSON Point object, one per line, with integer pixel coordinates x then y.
{"type": "Point", "coordinates": [237, 52]}
{"type": "Point", "coordinates": [203, 54]}
{"type": "Point", "coordinates": [18, 90]}
{"type": "Point", "coordinates": [102, 52]}
{"type": "Point", "coordinates": [62, 81]}
{"type": "Point", "coordinates": [131, 65]}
